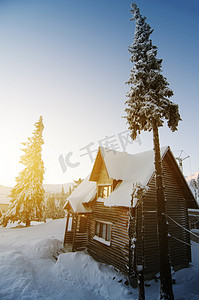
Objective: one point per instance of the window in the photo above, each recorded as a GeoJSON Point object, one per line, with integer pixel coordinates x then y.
{"type": "Point", "coordinates": [104, 191]}
{"type": "Point", "coordinates": [103, 230]}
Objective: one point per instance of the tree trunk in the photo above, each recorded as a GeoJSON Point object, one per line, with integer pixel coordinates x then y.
{"type": "Point", "coordinates": [27, 222]}
{"type": "Point", "coordinates": [166, 291]}
{"type": "Point", "coordinates": [140, 278]}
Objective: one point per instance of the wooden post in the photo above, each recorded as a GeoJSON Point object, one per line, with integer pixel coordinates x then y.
{"type": "Point", "coordinates": [74, 233]}
{"type": "Point", "coordinates": [66, 230]}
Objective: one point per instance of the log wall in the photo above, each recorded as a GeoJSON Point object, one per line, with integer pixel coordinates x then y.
{"type": "Point", "coordinates": [117, 253]}
{"type": "Point", "coordinates": [81, 240]}
{"type": "Point", "coordinates": [180, 253]}
{"type": "Point", "coordinates": [176, 209]}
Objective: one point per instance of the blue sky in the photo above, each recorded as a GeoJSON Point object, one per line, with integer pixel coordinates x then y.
{"type": "Point", "coordinates": [68, 61]}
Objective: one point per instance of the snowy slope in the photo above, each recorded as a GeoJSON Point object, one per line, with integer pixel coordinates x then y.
{"type": "Point", "coordinates": [28, 272]}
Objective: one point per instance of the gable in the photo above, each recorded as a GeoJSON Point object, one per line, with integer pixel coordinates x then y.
{"type": "Point", "coordinates": [180, 180]}
{"type": "Point", "coordinates": [99, 172]}
{"type": "Point", "coordinates": [103, 177]}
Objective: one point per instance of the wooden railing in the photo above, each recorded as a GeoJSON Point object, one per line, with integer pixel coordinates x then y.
{"type": "Point", "coordinates": [81, 240]}
{"type": "Point", "coordinates": [193, 218]}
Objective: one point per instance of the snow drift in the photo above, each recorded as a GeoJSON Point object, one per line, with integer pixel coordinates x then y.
{"type": "Point", "coordinates": [28, 271]}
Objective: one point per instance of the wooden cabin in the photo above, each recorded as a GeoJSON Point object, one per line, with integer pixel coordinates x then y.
{"type": "Point", "coordinates": [100, 207]}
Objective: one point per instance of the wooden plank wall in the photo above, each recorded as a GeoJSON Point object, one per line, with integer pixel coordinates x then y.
{"type": "Point", "coordinates": [151, 249]}
{"type": "Point", "coordinates": [180, 254]}
{"type": "Point", "coordinates": [81, 240]}
{"type": "Point", "coordinates": [177, 210]}
{"type": "Point", "coordinates": [117, 253]}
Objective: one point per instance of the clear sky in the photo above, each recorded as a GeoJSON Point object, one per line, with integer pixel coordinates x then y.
{"type": "Point", "coordinates": [68, 61]}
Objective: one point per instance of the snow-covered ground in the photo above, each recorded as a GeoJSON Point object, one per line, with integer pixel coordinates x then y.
{"type": "Point", "coordinates": [28, 272]}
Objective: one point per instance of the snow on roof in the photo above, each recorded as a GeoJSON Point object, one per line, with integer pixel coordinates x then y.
{"type": "Point", "coordinates": [130, 168]}
{"type": "Point", "coordinates": [84, 193]}
{"type": "Point", "coordinates": [135, 167]}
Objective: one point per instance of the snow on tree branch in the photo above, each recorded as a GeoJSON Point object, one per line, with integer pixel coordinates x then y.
{"type": "Point", "coordinates": [148, 97]}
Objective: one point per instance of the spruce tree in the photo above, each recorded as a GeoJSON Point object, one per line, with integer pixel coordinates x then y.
{"type": "Point", "coordinates": [148, 107]}
{"type": "Point", "coordinates": [62, 192]}
{"type": "Point", "coordinates": [27, 197]}
{"type": "Point", "coordinates": [51, 209]}
{"type": "Point", "coordinates": [54, 208]}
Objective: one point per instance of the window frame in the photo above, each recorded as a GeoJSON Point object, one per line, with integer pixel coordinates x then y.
{"type": "Point", "coordinates": [99, 232]}
{"type": "Point", "coordinates": [100, 190]}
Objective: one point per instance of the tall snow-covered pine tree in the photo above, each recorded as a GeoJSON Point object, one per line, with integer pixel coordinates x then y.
{"type": "Point", "coordinates": [148, 107]}
{"type": "Point", "coordinates": [28, 194]}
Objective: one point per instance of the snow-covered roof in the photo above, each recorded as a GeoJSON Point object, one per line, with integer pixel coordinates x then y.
{"type": "Point", "coordinates": [135, 167]}
{"type": "Point", "coordinates": [130, 168]}
{"type": "Point", "coordinates": [84, 193]}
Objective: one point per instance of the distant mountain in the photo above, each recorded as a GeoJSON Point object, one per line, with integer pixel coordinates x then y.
{"type": "Point", "coordinates": [192, 176]}
{"type": "Point", "coordinates": [193, 183]}
{"type": "Point", "coordinates": [4, 192]}
{"type": "Point", "coordinates": [49, 188]}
